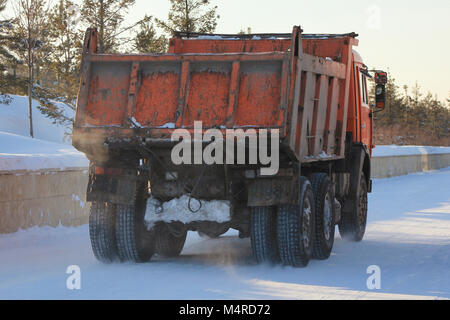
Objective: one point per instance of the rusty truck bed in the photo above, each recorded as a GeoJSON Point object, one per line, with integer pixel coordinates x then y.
{"type": "Point", "coordinates": [296, 83]}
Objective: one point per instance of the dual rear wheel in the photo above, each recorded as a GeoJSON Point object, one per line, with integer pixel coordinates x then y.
{"type": "Point", "coordinates": [119, 233]}
{"type": "Point", "coordinates": [294, 234]}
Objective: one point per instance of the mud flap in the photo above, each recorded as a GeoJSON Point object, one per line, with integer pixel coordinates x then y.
{"type": "Point", "coordinates": [112, 189]}
{"type": "Point", "coordinates": [273, 192]}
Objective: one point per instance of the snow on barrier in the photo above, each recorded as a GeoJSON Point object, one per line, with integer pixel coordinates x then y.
{"type": "Point", "coordinates": [47, 185]}
{"type": "Point", "coordinates": [392, 161]}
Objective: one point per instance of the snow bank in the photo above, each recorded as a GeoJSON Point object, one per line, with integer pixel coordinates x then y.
{"type": "Point", "coordinates": [390, 151]}
{"type": "Point", "coordinates": [23, 153]}
{"type": "Point", "coordinates": [177, 210]}
{"type": "Point", "coordinates": [14, 119]}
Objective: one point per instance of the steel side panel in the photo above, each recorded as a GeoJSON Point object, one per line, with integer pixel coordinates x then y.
{"type": "Point", "coordinates": [307, 114]}
{"type": "Point", "coordinates": [107, 94]}
{"type": "Point", "coordinates": [345, 98]}
{"type": "Point", "coordinates": [295, 116]}
{"type": "Point", "coordinates": [157, 100]}
{"type": "Point", "coordinates": [331, 136]}
{"type": "Point", "coordinates": [299, 134]}
{"type": "Point", "coordinates": [207, 98]}
{"type": "Point", "coordinates": [180, 46]}
{"type": "Point", "coordinates": [321, 116]}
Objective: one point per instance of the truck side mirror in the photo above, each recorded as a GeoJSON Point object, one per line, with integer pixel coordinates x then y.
{"type": "Point", "coordinates": [380, 96]}
{"type": "Point", "coordinates": [380, 89]}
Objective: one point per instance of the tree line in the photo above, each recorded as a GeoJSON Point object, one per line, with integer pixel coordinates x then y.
{"type": "Point", "coordinates": [41, 44]}
{"type": "Point", "coordinates": [40, 54]}
{"type": "Point", "coordinates": [412, 117]}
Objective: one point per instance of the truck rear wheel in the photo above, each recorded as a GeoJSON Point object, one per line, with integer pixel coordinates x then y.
{"type": "Point", "coordinates": [102, 219]}
{"type": "Point", "coordinates": [134, 241]}
{"type": "Point", "coordinates": [263, 235]}
{"type": "Point", "coordinates": [325, 221]}
{"type": "Point", "coordinates": [167, 243]}
{"type": "Point", "coordinates": [295, 228]}
{"type": "Point", "coordinates": [353, 223]}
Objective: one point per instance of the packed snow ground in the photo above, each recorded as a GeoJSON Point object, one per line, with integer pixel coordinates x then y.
{"type": "Point", "coordinates": [408, 237]}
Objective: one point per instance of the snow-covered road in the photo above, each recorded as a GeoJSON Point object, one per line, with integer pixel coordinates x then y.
{"type": "Point", "coordinates": [408, 237]}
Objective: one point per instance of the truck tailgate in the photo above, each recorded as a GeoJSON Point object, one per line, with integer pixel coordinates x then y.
{"type": "Point", "coordinates": [173, 91]}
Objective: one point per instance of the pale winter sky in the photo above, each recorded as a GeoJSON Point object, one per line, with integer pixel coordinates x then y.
{"type": "Point", "coordinates": [411, 37]}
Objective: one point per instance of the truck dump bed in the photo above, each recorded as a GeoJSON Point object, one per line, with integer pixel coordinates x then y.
{"type": "Point", "coordinates": [296, 83]}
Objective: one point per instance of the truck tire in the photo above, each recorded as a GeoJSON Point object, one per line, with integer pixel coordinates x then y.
{"type": "Point", "coordinates": [353, 223]}
{"type": "Point", "coordinates": [168, 244]}
{"type": "Point", "coordinates": [135, 242]}
{"type": "Point", "coordinates": [102, 219]}
{"type": "Point", "coordinates": [325, 216]}
{"type": "Point", "coordinates": [263, 234]}
{"type": "Point", "coordinates": [295, 228]}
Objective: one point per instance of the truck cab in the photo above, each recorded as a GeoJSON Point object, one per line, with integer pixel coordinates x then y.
{"type": "Point", "coordinates": [360, 122]}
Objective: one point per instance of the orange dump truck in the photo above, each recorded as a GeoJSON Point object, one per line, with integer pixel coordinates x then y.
{"type": "Point", "coordinates": [151, 123]}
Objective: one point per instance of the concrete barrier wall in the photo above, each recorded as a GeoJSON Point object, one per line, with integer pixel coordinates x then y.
{"type": "Point", "coordinates": [43, 198]}
{"type": "Point", "coordinates": [55, 197]}
{"type": "Point", "coordinates": [393, 166]}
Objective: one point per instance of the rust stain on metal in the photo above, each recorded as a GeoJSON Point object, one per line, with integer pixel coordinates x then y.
{"type": "Point", "coordinates": [260, 83]}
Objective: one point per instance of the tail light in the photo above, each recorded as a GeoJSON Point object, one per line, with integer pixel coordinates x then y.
{"type": "Point", "coordinates": [100, 171]}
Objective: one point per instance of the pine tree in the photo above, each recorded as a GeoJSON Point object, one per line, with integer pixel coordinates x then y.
{"type": "Point", "coordinates": [7, 59]}
{"type": "Point", "coordinates": [411, 117]}
{"type": "Point", "coordinates": [31, 29]}
{"type": "Point", "coordinates": [190, 16]}
{"type": "Point", "coordinates": [65, 56]}
{"type": "Point", "coordinates": [107, 16]}
{"type": "Point", "coordinates": [248, 31]}
{"type": "Point", "coordinates": [147, 41]}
